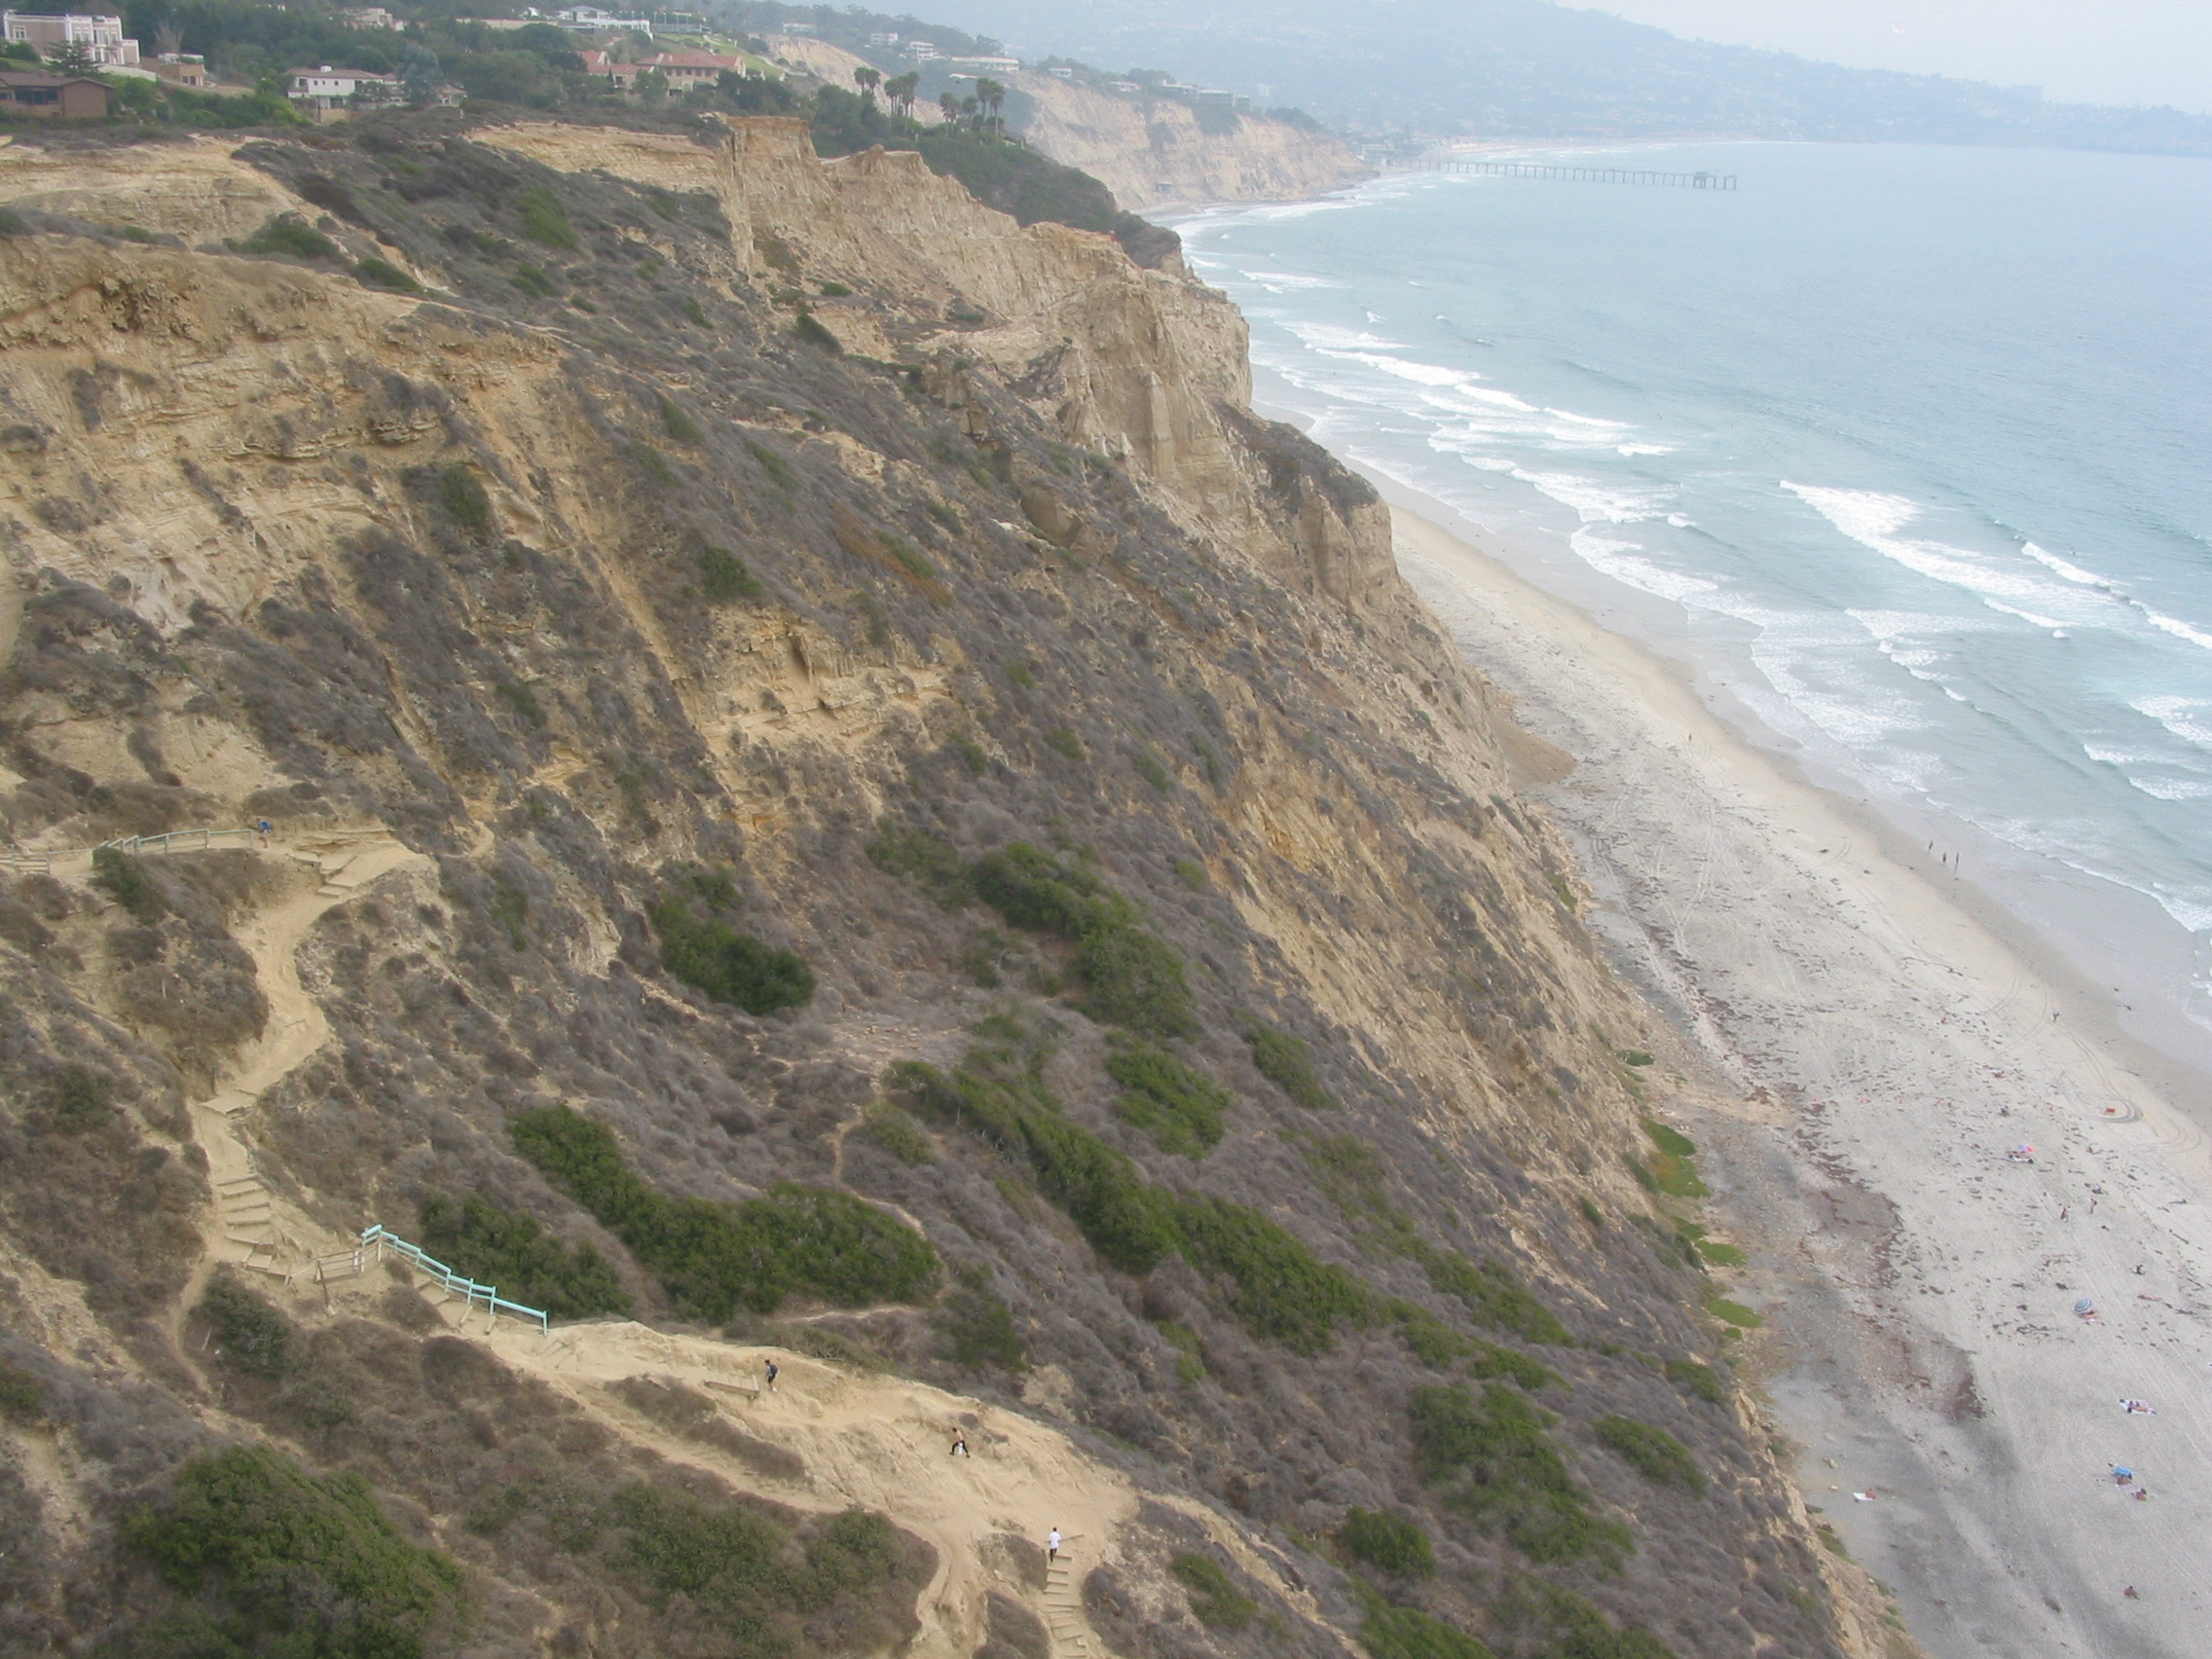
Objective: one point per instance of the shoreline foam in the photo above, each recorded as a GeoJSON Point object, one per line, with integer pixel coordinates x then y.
{"type": "Point", "coordinates": [1858, 1043]}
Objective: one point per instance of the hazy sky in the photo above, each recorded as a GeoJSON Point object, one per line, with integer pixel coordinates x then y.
{"type": "Point", "coordinates": [2121, 52]}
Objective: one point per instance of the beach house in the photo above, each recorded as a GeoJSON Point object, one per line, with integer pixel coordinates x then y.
{"type": "Point", "coordinates": [67, 98]}
{"type": "Point", "coordinates": [101, 38]}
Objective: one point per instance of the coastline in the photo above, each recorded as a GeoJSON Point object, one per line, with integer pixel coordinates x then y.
{"type": "Point", "coordinates": [1856, 1043]}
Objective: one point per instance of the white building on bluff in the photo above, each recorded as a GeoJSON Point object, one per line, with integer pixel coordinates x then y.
{"type": "Point", "coordinates": [102, 38]}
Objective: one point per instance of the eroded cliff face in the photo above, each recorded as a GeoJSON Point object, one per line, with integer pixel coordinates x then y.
{"type": "Point", "coordinates": [1150, 150]}
{"type": "Point", "coordinates": [592, 594]}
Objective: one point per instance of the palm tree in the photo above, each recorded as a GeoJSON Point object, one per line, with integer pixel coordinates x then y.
{"type": "Point", "coordinates": [900, 92]}
{"type": "Point", "coordinates": [869, 80]}
{"type": "Point", "coordinates": [951, 107]}
{"type": "Point", "coordinates": [992, 96]}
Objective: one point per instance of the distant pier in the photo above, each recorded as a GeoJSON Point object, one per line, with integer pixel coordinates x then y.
{"type": "Point", "coordinates": [1586, 176]}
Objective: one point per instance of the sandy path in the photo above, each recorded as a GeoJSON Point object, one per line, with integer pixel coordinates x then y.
{"type": "Point", "coordinates": [1920, 1287]}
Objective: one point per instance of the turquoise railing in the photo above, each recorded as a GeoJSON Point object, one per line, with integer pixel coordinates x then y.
{"type": "Point", "coordinates": [380, 1240]}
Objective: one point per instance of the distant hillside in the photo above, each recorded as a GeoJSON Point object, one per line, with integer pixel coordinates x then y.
{"type": "Point", "coordinates": [1528, 68]}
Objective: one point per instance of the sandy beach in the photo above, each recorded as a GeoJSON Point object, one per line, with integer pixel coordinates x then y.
{"type": "Point", "coordinates": [1856, 1044]}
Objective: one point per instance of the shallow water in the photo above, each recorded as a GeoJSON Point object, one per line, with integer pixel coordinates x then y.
{"type": "Point", "coordinates": [1908, 449]}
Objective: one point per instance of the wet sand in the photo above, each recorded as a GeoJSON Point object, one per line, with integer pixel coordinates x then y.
{"type": "Point", "coordinates": [1857, 1042]}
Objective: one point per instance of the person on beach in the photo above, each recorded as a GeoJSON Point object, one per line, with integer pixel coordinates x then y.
{"type": "Point", "coordinates": [768, 1369]}
{"type": "Point", "coordinates": [960, 1443]}
{"type": "Point", "coordinates": [2122, 1474]}
{"type": "Point", "coordinates": [1051, 1546]}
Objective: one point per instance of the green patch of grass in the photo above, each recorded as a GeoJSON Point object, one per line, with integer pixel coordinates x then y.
{"type": "Point", "coordinates": [1672, 1169]}
{"type": "Point", "coordinates": [1191, 875]}
{"type": "Point", "coordinates": [249, 1330]}
{"type": "Point", "coordinates": [383, 273]}
{"type": "Point", "coordinates": [724, 577]}
{"type": "Point", "coordinates": [1150, 769]}
{"type": "Point", "coordinates": [1830, 1539]}
{"type": "Point", "coordinates": [1592, 1214]}
{"type": "Point", "coordinates": [727, 965]}
{"type": "Point", "coordinates": [1564, 893]}
{"type": "Point", "coordinates": [713, 1257]}
{"type": "Point", "coordinates": [281, 1560]}
{"type": "Point", "coordinates": [1652, 1452]}
{"type": "Point", "coordinates": [678, 425]}
{"type": "Point", "coordinates": [1287, 1062]}
{"type": "Point", "coordinates": [1733, 1312]}
{"type": "Point", "coordinates": [1395, 1546]}
{"type": "Point", "coordinates": [544, 220]}
{"type": "Point", "coordinates": [1700, 1380]}
{"type": "Point", "coordinates": [464, 498]}
{"type": "Point", "coordinates": [1182, 1110]}
{"type": "Point", "coordinates": [1497, 1467]}
{"type": "Point", "coordinates": [1062, 740]}
{"type": "Point", "coordinates": [1407, 1633]}
{"type": "Point", "coordinates": [1720, 1255]}
{"type": "Point", "coordinates": [286, 235]}
{"type": "Point", "coordinates": [1214, 1599]}
{"type": "Point", "coordinates": [124, 879]}
{"type": "Point", "coordinates": [1635, 1058]}
{"type": "Point", "coordinates": [1190, 1352]}
{"type": "Point", "coordinates": [926, 858]}
{"type": "Point", "coordinates": [509, 1249]}
{"type": "Point", "coordinates": [897, 1135]}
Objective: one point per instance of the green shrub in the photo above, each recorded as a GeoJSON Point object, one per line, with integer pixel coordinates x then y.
{"type": "Point", "coordinates": [1148, 768]}
{"type": "Point", "coordinates": [677, 424]}
{"type": "Point", "coordinates": [1720, 1255]}
{"type": "Point", "coordinates": [811, 329]}
{"type": "Point", "coordinates": [464, 498]}
{"type": "Point", "coordinates": [1494, 1362]}
{"type": "Point", "coordinates": [1407, 1633]}
{"type": "Point", "coordinates": [383, 273]}
{"type": "Point", "coordinates": [1491, 1294]}
{"type": "Point", "coordinates": [1210, 763]}
{"type": "Point", "coordinates": [1499, 1469]}
{"type": "Point", "coordinates": [778, 469]}
{"type": "Point", "coordinates": [1396, 1546]}
{"type": "Point", "coordinates": [544, 220]}
{"type": "Point", "coordinates": [654, 465]}
{"type": "Point", "coordinates": [22, 1396]}
{"type": "Point", "coordinates": [78, 1099]}
{"type": "Point", "coordinates": [724, 577]}
{"type": "Point", "coordinates": [533, 280]}
{"type": "Point", "coordinates": [909, 559]}
{"type": "Point", "coordinates": [1288, 1063]}
{"type": "Point", "coordinates": [695, 313]}
{"type": "Point", "coordinates": [924, 857]}
{"type": "Point", "coordinates": [729, 966]}
{"type": "Point", "coordinates": [897, 1135]}
{"type": "Point", "coordinates": [1179, 1108]}
{"type": "Point", "coordinates": [285, 234]}
{"type": "Point", "coordinates": [1214, 1599]}
{"type": "Point", "coordinates": [1429, 1339]}
{"type": "Point", "coordinates": [979, 1328]}
{"type": "Point", "coordinates": [247, 1328]}
{"type": "Point", "coordinates": [1278, 1289]}
{"type": "Point", "coordinates": [1635, 1058]}
{"type": "Point", "coordinates": [285, 1562]}
{"type": "Point", "coordinates": [1652, 1452]}
{"type": "Point", "coordinates": [12, 223]}
{"type": "Point", "coordinates": [969, 752]}
{"type": "Point", "coordinates": [1191, 875]}
{"type": "Point", "coordinates": [1021, 675]}
{"type": "Point", "coordinates": [1700, 1380]}
{"type": "Point", "coordinates": [518, 696]}
{"type": "Point", "coordinates": [1575, 1627]}
{"type": "Point", "coordinates": [836, 292]}
{"type": "Point", "coordinates": [713, 1258]}
{"type": "Point", "coordinates": [124, 879]}
{"type": "Point", "coordinates": [512, 1251]}
{"type": "Point", "coordinates": [1129, 977]}
{"type": "Point", "coordinates": [1062, 740]}
{"type": "Point", "coordinates": [1190, 1352]}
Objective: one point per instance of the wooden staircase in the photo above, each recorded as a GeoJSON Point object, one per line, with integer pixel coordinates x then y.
{"type": "Point", "coordinates": [1063, 1603]}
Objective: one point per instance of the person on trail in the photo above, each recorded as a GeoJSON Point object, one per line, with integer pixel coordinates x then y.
{"type": "Point", "coordinates": [769, 1367]}
{"type": "Point", "coordinates": [960, 1443]}
{"type": "Point", "coordinates": [262, 827]}
{"type": "Point", "coordinates": [1051, 1546]}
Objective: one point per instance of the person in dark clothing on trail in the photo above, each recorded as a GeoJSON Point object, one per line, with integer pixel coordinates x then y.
{"type": "Point", "coordinates": [960, 1443]}
{"type": "Point", "coordinates": [770, 1368]}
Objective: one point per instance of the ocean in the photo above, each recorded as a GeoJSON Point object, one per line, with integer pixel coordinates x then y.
{"type": "Point", "coordinates": [1905, 450]}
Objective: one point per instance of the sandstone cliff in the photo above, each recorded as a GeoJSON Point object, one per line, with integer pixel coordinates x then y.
{"type": "Point", "coordinates": [1150, 150]}
{"type": "Point", "coordinates": [836, 795]}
